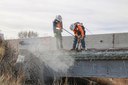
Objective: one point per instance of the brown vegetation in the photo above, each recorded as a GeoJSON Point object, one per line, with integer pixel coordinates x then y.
{"type": "Point", "coordinates": [8, 74]}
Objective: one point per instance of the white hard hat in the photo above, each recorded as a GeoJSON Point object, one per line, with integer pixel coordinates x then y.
{"type": "Point", "coordinates": [59, 18]}
{"type": "Point", "coordinates": [78, 23]}
{"type": "Point", "coordinates": [72, 26]}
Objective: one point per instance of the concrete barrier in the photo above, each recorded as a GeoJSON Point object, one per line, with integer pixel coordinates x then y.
{"type": "Point", "coordinates": [99, 41]}
{"type": "Point", "coordinates": [103, 41]}
{"type": "Point", "coordinates": [121, 40]}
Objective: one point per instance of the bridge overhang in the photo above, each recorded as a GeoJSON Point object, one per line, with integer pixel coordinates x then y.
{"type": "Point", "coordinates": [104, 63]}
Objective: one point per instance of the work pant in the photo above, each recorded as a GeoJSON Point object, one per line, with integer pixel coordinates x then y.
{"type": "Point", "coordinates": [82, 41]}
{"type": "Point", "coordinates": [58, 39]}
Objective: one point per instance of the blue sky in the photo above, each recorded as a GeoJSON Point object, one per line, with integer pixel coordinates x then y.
{"type": "Point", "coordinates": [99, 16]}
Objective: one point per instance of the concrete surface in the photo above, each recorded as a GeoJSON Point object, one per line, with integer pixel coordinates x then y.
{"type": "Point", "coordinates": [99, 41]}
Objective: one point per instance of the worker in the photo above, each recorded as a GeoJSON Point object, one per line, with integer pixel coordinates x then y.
{"type": "Point", "coordinates": [79, 35]}
{"type": "Point", "coordinates": [57, 29]}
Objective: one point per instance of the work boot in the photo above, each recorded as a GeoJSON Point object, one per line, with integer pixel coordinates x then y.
{"type": "Point", "coordinates": [72, 49]}
{"type": "Point", "coordinates": [86, 49]}
{"type": "Point", "coordinates": [82, 49]}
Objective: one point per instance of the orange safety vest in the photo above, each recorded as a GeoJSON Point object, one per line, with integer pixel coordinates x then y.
{"type": "Point", "coordinates": [59, 25]}
{"type": "Point", "coordinates": [79, 31]}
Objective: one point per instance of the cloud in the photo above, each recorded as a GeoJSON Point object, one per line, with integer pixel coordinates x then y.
{"type": "Point", "coordinates": [104, 15]}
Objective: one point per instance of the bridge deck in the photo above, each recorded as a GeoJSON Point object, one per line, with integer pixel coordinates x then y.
{"type": "Point", "coordinates": [95, 63]}
{"type": "Point", "coordinates": [99, 63]}
{"type": "Point", "coordinates": [94, 54]}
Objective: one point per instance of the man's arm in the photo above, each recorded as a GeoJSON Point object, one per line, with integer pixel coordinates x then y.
{"type": "Point", "coordinates": [81, 30]}
{"type": "Point", "coordinates": [54, 26]}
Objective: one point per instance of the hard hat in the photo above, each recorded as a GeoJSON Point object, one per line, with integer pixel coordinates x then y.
{"type": "Point", "coordinates": [78, 23]}
{"type": "Point", "coordinates": [59, 18]}
{"type": "Point", "coordinates": [72, 26]}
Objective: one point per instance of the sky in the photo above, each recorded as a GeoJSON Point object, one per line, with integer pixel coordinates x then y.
{"type": "Point", "coordinates": [98, 16]}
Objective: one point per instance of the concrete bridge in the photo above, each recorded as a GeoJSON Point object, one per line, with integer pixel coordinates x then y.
{"type": "Point", "coordinates": [111, 64]}
{"type": "Point", "coordinates": [92, 63]}
{"type": "Point", "coordinates": [107, 54]}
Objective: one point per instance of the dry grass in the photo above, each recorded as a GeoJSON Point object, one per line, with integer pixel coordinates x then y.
{"type": "Point", "coordinates": [8, 73]}
{"type": "Point", "coordinates": [9, 80]}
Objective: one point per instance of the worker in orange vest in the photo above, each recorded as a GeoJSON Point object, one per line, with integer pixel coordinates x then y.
{"type": "Point", "coordinates": [57, 29]}
{"type": "Point", "coordinates": [79, 35]}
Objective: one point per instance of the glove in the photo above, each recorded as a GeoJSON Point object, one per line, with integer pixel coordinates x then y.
{"type": "Point", "coordinates": [79, 37]}
{"type": "Point", "coordinates": [82, 38]}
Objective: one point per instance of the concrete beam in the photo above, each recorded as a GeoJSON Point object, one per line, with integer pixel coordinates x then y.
{"type": "Point", "coordinates": [100, 68]}
{"type": "Point", "coordinates": [111, 64]}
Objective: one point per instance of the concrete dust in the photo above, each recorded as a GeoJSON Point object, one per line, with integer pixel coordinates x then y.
{"type": "Point", "coordinates": [53, 59]}
{"type": "Point", "coordinates": [47, 63]}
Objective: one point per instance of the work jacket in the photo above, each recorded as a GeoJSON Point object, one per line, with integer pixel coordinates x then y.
{"type": "Point", "coordinates": [79, 31]}
{"type": "Point", "coordinates": [57, 25]}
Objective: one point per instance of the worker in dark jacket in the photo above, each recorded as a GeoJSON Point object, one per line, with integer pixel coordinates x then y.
{"type": "Point", "coordinates": [57, 29]}
{"type": "Point", "coordinates": [79, 35]}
